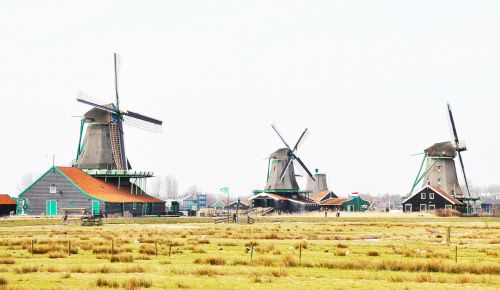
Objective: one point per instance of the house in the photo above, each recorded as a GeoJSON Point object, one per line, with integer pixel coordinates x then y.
{"type": "Point", "coordinates": [333, 203]}
{"type": "Point", "coordinates": [491, 206]}
{"type": "Point", "coordinates": [69, 189]}
{"type": "Point", "coordinates": [430, 198]}
{"type": "Point", "coordinates": [282, 203]}
{"type": "Point", "coordinates": [355, 203]}
{"type": "Point", "coordinates": [321, 196]}
{"type": "Point", "coordinates": [238, 204]}
{"type": "Point", "coordinates": [7, 205]}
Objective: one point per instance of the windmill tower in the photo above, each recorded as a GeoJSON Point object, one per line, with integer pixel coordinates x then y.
{"type": "Point", "coordinates": [103, 146]}
{"type": "Point", "coordinates": [281, 174]}
{"type": "Point", "coordinates": [440, 170]}
{"type": "Point", "coordinates": [317, 184]}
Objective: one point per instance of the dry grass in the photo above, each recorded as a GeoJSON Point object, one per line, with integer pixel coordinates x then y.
{"type": "Point", "coordinates": [3, 281]}
{"type": "Point", "coordinates": [123, 258]}
{"type": "Point", "coordinates": [210, 261]}
{"type": "Point", "coordinates": [134, 283]}
{"type": "Point", "coordinates": [103, 282]}
{"type": "Point", "coordinates": [207, 272]}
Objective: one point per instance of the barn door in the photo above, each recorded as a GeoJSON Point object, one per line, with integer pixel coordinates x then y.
{"type": "Point", "coordinates": [51, 207]}
{"type": "Point", "coordinates": [95, 207]}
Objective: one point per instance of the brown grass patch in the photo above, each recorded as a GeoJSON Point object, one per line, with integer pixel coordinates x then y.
{"type": "Point", "coordinates": [134, 283]}
{"type": "Point", "coordinates": [210, 261]}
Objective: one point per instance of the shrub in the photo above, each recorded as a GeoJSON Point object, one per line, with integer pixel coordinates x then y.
{"type": "Point", "coordinates": [210, 261]}
{"type": "Point", "coordinates": [3, 281]}
{"type": "Point", "coordinates": [26, 269]}
{"type": "Point", "coordinates": [55, 255]}
{"type": "Point", "coordinates": [372, 253]}
{"type": "Point", "coordinates": [7, 260]}
{"type": "Point", "coordinates": [147, 249]}
{"type": "Point", "coordinates": [207, 272]}
{"type": "Point", "coordinates": [289, 261]}
{"type": "Point", "coordinates": [342, 246]}
{"type": "Point", "coordinates": [126, 258]}
{"type": "Point", "coordinates": [136, 284]}
{"type": "Point", "coordinates": [103, 282]}
{"type": "Point", "coordinates": [279, 273]}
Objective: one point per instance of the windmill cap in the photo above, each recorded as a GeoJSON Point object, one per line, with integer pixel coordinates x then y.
{"type": "Point", "coordinates": [443, 149]}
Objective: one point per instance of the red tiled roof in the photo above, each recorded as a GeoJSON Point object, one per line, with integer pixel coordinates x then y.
{"type": "Point", "coordinates": [6, 199]}
{"type": "Point", "coordinates": [334, 201]}
{"type": "Point", "coordinates": [319, 195]}
{"type": "Point", "coordinates": [446, 195]}
{"type": "Point", "coordinates": [102, 190]}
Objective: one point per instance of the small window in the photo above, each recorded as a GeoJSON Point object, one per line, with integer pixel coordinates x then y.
{"type": "Point", "coordinates": [439, 168]}
{"type": "Point", "coordinates": [422, 195]}
{"type": "Point", "coordinates": [423, 207]}
{"type": "Point", "coordinates": [52, 189]}
{"type": "Point", "coordinates": [134, 205]}
{"type": "Point", "coordinates": [408, 207]}
{"type": "Point", "coordinates": [432, 207]}
{"type": "Point", "coordinates": [448, 206]}
{"type": "Point", "coordinates": [431, 195]}
{"type": "Point", "coordinates": [439, 180]}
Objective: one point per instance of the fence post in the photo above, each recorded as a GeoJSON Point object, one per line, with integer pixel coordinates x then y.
{"type": "Point", "coordinates": [69, 247]}
{"type": "Point", "coordinates": [456, 253]}
{"type": "Point", "coordinates": [112, 247]}
{"type": "Point", "coordinates": [300, 253]}
{"type": "Point", "coordinates": [448, 233]}
{"type": "Point", "coordinates": [169, 249]}
{"type": "Point", "coordinates": [32, 243]}
{"type": "Point", "coordinates": [251, 252]}
{"type": "Point", "coordinates": [156, 250]}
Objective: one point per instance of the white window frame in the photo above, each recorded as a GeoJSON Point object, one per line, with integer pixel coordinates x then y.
{"type": "Point", "coordinates": [432, 207]}
{"type": "Point", "coordinates": [422, 195]}
{"type": "Point", "coordinates": [448, 206]}
{"type": "Point", "coordinates": [431, 195]}
{"type": "Point", "coordinates": [424, 206]}
{"type": "Point", "coordinates": [408, 207]}
{"type": "Point", "coordinates": [53, 189]}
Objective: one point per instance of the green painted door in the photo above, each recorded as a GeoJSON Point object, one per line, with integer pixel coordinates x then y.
{"type": "Point", "coordinates": [51, 207]}
{"type": "Point", "coordinates": [95, 207]}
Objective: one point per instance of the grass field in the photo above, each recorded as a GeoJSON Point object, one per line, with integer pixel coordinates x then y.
{"type": "Point", "coordinates": [274, 253]}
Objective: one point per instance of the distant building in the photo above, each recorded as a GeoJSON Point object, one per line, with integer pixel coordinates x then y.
{"type": "Point", "coordinates": [491, 206]}
{"type": "Point", "coordinates": [430, 198]}
{"type": "Point", "coordinates": [7, 205]}
{"type": "Point", "coordinates": [73, 190]}
{"type": "Point", "coordinates": [194, 202]}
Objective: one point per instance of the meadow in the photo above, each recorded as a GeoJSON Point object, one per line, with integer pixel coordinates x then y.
{"type": "Point", "coordinates": [273, 253]}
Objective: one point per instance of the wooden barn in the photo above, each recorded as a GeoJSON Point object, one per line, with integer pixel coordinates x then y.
{"type": "Point", "coordinates": [7, 205]}
{"type": "Point", "coordinates": [72, 190]}
{"type": "Point", "coordinates": [430, 198]}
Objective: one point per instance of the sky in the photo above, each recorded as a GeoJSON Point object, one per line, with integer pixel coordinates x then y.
{"type": "Point", "coordinates": [369, 79]}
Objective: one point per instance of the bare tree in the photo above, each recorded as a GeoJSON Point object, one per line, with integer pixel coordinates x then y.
{"type": "Point", "coordinates": [157, 186]}
{"type": "Point", "coordinates": [26, 181]}
{"type": "Point", "coordinates": [171, 186]}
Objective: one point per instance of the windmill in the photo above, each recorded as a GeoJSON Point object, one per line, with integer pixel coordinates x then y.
{"type": "Point", "coordinates": [440, 170]}
{"type": "Point", "coordinates": [318, 184]}
{"type": "Point", "coordinates": [103, 146]}
{"type": "Point", "coordinates": [281, 173]}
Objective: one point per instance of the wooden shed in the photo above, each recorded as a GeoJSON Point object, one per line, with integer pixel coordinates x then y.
{"type": "Point", "coordinates": [7, 205]}
{"type": "Point", "coordinates": [70, 189]}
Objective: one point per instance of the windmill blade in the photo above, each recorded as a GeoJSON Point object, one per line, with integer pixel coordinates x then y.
{"type": "Point", "coordinates": [463, 171]}
{"type": "Point", "coordinates": [276, 130]}
{"type": "Point", "coordinates": [138, 123]}
{"type": "Point", "coordinates": [81, 99]}
{"type": "Point", "coordinates": [305, 168]}
{"type": "Point", "coordinates": [453, 127]}
{"type": "Point", "coordinates": [288, 162]}
{"type": "Point", "coordinates": [143, 118]}
{"type": "Point", "coordinates": [117, 62]}
{"type": "Point", "coordinates": [300, 139]}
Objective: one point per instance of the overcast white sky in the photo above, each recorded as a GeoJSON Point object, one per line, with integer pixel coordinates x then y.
{"type": "Point", "coordinates": [370, 79]}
